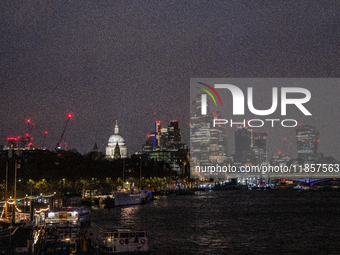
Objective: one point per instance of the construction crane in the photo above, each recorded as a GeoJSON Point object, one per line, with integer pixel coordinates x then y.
{"type": "Point", "coordinates": [58, 147]}
{"type": "Point", "coordinates": [44, 139]}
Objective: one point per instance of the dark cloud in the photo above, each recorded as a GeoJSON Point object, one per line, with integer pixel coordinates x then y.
{"type": "Point", "coordinates": [125, 60]}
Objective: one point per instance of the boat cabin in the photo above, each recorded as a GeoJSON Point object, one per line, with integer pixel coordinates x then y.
{"type": "Point", "coordinates": [111, 240]}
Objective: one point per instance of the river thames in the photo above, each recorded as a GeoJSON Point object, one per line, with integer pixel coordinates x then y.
{"type": "Point", "coordinates": [235, 222]}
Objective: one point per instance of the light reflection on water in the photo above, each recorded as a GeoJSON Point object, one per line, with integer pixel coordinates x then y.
{"type": "Point", "coordinates": [235, 222]}
{"type": "Point", "coordinates": [127, 212]}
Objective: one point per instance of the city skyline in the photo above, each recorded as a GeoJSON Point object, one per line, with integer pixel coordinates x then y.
{"type": "Point", "coordinates": [289, 148]}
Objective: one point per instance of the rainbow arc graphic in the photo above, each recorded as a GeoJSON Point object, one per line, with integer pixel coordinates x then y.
{"type": "Point", "coordinates": [209, 93]}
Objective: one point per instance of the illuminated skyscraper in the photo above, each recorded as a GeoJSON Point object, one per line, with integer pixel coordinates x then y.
{"type": "Point", "coordinates": [307, 142]}
{"type": "Point", "coordinates": [157, 137]}
{"type": "Point", "coordinates": [165, 145]}
{"type": "Point", "coordinates": [260, 147]}
{"type": "Point", "coordinates": [164, 138]}
{"type": "Point", "coordinates": [208, 144]}
{"type": "Point", "coordinates": [174, 141]}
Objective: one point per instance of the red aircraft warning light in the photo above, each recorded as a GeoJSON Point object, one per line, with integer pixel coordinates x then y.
{"type": "Point", "coordinates": [28, 120]}
{"type": "Point", "coordinates": [69, 116]}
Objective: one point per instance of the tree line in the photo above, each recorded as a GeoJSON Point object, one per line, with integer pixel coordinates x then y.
{"type": "Point", "coordinates": [46, 172]}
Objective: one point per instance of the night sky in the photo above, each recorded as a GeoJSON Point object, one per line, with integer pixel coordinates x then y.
{"type": "Point", "coordinates": [127, 60]}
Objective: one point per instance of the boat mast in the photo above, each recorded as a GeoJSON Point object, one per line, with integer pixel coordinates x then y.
{"type": "Point", "coordinates": [6, 192]}
{"type": "Point", "coordinates": [140, 175]}
{"type": "Point", "coordinates": [15, 189]}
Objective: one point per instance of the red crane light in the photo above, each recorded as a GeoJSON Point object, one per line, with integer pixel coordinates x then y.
{"type": "Point", "coordinates": [69, 116]}
{"type": "Point", "coordinates": [28, 120]}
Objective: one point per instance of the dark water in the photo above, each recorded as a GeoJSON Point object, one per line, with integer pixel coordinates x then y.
{"type": "Point", "coordinates": [236, 222]}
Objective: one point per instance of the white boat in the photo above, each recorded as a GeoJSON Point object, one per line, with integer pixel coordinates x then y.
{"type": "Point", "coordinates": [68, 215]}
{"type": "Point", "coordinates": [131, 197]}
{"type": "Point", "coordinates": [122, 241]}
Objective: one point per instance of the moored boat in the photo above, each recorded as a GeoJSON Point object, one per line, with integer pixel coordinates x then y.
{"type": "Point", "coordinates": [126, 198]}
{"type": "Point", "coordinates": [68, 215]}
{"type": "Point", "coordinates": [64, 237]}
{"type": "Point", "coordinates": [122, 241]}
